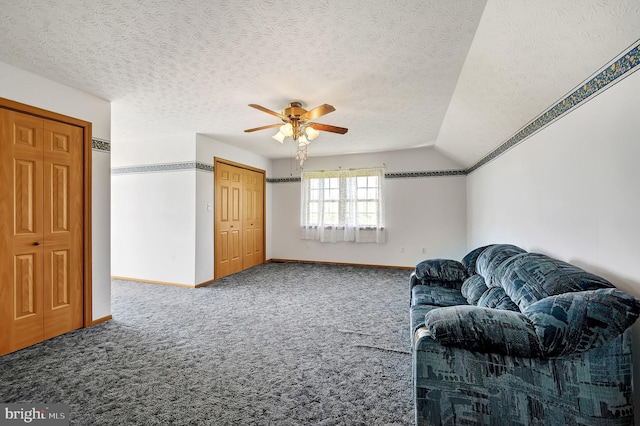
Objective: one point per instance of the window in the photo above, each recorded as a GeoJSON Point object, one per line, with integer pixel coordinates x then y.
{"type": "Point", "coordinates": [343, 205]}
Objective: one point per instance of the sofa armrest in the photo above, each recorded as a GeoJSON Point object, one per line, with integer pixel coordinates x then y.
{"type": "Point", "coordinates": [458, 386]}
{"type": "Point", "coordinates": [484, 330]}
{"type": "Point", "coordinates": [441, 272]}
{"type": "Point", "coordinates": [578, 321]}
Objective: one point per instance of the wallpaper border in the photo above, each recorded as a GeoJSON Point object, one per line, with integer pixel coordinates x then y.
{"type": "Point", "coordinates": [191, 165]}
{"type": "Point", "coordinates": [162, 167]}
{"type": "Point", "coordinates": [392, 175]}
{"type": "Point", "coordinates": [100, 145]}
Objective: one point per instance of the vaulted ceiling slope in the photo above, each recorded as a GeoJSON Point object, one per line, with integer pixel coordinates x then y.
{"type": "Point", "coordinates": [458, 75]}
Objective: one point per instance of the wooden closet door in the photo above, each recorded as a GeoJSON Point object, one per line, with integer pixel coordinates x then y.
{"type": "Point", "coordinates": [21, 238]}
{"type": "Point", "coordinates": [41, 244]}
{"type": "Point", "coordinates": [63, 214]}
{"type": "Point", "coordinates": [253, 207]}
{"type": "Point", "coordinates": [228, 221]}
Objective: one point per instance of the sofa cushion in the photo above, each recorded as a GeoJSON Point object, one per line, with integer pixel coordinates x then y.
{"type": "Point", "coordinates": [484, 330]}
{"type": "Point", "coordinates": [442, 270]}
{"type": "Point", "coordinates": [496, 298]}
{"type": "Point", "coordinates": [491, 258]}
{"type": "Point", "coordinates": [472, 288]}
{"type": "Point", "coordinates": [469, 261]}
{"type": "Point", "coordinates": [438, 296]}
{"type": "Point", "coordinates": [533, 276]}
{"type": "Point", "coordinates": [576, 322]}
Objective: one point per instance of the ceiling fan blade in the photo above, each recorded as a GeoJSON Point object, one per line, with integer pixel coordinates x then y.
{"type": "Point", "coordinates": [270, 126]}
{"type": "Point", "coordinates": [317, 112]}
{"type": "Point", "coordinates": [328, 128]}
{"type": "Point", "coordinates": [268, 111]}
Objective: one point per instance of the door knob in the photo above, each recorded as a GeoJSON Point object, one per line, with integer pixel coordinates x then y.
{"type": "Point", "coordinates": [37, 243]}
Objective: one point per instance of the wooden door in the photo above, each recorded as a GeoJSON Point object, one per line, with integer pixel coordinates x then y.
{"type": "Point", "coordinates": [253, 207]}
{"type": "Point", "coordinates": [228, 223]}
{"type": "Point", "coordinates": [63, 222]}
{"type": "Point", "coordinates": [41, 210]}
{"type": "Point", "coordinates": [22, 236]}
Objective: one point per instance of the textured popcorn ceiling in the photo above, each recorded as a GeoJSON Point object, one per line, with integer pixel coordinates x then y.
{"type": "Point", "coordinates": [400, 74]}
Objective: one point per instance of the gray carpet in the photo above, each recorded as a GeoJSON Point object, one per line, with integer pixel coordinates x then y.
{"type": "Point", "coordinates": [277, 344]}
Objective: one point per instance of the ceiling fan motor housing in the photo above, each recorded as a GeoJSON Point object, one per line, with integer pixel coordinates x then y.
{"type": "Point", "coordinates": [294, 110]}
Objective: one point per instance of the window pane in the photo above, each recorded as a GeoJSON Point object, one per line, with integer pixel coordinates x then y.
{"type": "Point", "coordinates": [330, 215]}
{"type": "Point", "coordinates": [327, 203]}
{"type": "Point", "coordinates": [312, 213]}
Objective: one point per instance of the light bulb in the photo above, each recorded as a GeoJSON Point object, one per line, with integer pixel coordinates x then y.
{"type": "Point", "coordinates": [302, 141]}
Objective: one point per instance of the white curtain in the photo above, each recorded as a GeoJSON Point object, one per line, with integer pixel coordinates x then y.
{"type": "Point", "coordinates": [343, 205]}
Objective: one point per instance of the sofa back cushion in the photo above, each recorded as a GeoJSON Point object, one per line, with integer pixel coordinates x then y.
{"type": "Point", "coordinates": [471, 258]}
{"type": "Point", "coordinates": [496, 298]}
{"type": "Point", "coordinates": [477, 293]}
{"type": "Point", "coordinates": [530, 277]}
{"type": "Point", "coordinates": [492, 257]}
{"type": "Point", "coordinates": [473, 288]}
{"type": "Point", "coordinates": [576, 322]}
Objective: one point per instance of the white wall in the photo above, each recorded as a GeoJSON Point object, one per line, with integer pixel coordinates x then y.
{"type": "Point", "coordinates": [206, 149]}
{"type": "Point", "coordinates": [571, 190]}
{"type": "Point", "coordinates": [176, 148]}
{"type": "Point", "coordinates": [25, 87]}
{"type": "Point", "coordinates": [101, 233]}
{"type": "Point", "coordinates": [153, 232]}
{"type": "Point", "coordinates": [421, 213]}
{"type": "Point", "coordinates": [153, 212]}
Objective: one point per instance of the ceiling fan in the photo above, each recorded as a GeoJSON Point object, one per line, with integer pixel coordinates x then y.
{"type": "Point", "coordinates": [299, 125]}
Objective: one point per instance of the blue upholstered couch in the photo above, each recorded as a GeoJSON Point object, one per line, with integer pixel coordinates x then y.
{"type": "Point", "coordinates": [507, 337]}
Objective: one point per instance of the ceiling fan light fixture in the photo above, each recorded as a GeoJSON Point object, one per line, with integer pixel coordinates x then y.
{"type": "Point", "coordinates": [298, 126]}
{"type": "Point", "coordinates": [311, 133]}
{"type": "Point", "coordinates": [286, 130]}
{"type": "Point", "coordinates": [279, 137]}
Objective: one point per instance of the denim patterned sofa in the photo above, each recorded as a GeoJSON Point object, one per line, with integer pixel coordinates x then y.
{"type": "Point", "coordinates": [507, 337]}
